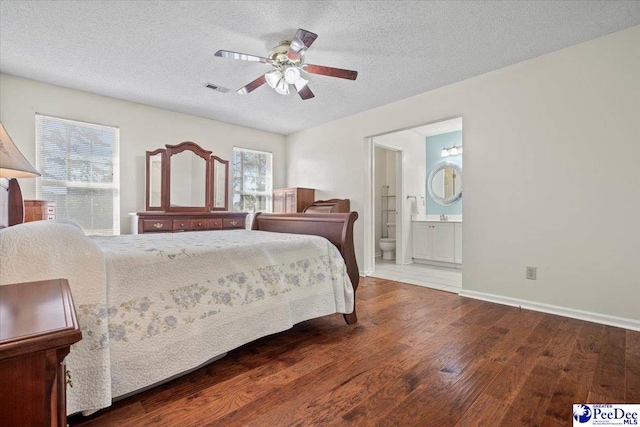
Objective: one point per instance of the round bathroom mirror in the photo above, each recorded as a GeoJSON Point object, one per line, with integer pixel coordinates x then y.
{"type": "Point", "coordinates": [445, 183]}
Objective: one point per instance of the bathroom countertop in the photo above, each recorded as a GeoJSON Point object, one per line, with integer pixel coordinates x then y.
{"type": "Point", "coordinates": [435, 218]}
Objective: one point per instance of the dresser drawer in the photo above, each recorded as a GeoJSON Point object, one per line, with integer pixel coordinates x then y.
{"type": "Point", "coordinates": [214, 224]}
{"type": "Point", "coordinates": [233, 223]}
{"type": "Point", "coordinates": [198, 224]}
{"type": "Point", "coordinates": [181, 225]}
{"type": "Point", "coordinates": [37, 210]}
{"type": "Point", "coordinates": [157, 225]}
{"type": "Point", "coordinates": [170, 222]}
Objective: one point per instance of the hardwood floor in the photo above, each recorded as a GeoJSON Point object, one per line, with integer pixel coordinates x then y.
{"type": "Point", "coordinates": [416, 357]}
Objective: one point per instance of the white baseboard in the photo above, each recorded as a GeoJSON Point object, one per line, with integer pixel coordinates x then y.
{"type": "Point", "coordinates": [437, 263]}
{"type": "Point", "coordinates": [604, 319]}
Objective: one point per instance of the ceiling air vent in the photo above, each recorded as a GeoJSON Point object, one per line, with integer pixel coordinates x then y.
{"type": "Point", "coordinates": [218, 88]}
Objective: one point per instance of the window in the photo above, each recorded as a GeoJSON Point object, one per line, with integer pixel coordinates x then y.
{"type": "Point", "coordinates": [79, 166]}
{"type": "Point", "coordinates": [252, 180]}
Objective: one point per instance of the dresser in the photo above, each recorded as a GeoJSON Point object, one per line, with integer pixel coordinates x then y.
{"type": "Point", "coordinates": [172, 222]}
{"type": "Point", "coordinates": [37, 326]}
{"type": "Point", "coordinates": [292, 200]}
{"type": "Point", "coordinates": [38, 210]}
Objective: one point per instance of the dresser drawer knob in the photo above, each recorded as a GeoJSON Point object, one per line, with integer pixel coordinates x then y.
{"type": "Point", "coordinates": [158, 225]}
{"type": "Point", "coordinates": [199, 224]}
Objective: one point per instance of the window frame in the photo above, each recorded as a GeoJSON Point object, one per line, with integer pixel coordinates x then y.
{"type": "Point", "coordinates": [71, 184]}
{"type": "Point", "coordinates": [268, 193]}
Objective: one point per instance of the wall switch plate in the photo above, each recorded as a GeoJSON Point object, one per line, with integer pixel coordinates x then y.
{"type": "Point", "coordinates": [531, 273]}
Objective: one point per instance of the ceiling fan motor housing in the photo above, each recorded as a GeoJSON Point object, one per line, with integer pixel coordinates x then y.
{"type": "Point", "coordinates": [279, 56]}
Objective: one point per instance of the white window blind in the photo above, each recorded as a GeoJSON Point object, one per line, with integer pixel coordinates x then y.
{"type": "Point", "coordinates": [79, 166]}
{"type": "Point", "coordinates": [252, 180]}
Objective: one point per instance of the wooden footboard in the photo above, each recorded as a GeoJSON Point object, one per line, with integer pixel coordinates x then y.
{"type": "Point", "coordinates": [335, 227]}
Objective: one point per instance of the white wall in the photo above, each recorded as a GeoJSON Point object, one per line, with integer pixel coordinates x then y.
{"type": "Point", "coordinates": [142, 128]}
{"type": "Point", "coordinates": [539, 125]}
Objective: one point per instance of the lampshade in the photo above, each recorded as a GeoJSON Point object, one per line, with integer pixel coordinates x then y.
{"type": "Point", "coordinates": [291, 75]}
{"type": "Point", "coordinates": [12, 163]}
{"type": "Point", "coordinates": [444, 152]}
{"type": "Point", "coordinates": [273, 77]}
{"type": "Point", "coordinates": [282, 87]}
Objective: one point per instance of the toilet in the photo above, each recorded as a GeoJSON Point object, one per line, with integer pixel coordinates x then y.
{"type": "Point", "coordinates": [388, 247]}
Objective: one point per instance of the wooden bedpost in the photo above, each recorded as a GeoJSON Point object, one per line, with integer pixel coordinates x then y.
{"type": "Point", "coordinates": [335, 227]}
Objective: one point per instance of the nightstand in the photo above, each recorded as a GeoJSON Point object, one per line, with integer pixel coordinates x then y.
{"type": "Point", "coordinates": [37, 326]}
{"type": "Point", "coordinates": [38, 210]}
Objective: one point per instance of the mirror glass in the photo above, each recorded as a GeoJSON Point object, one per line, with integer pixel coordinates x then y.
{"type": "Point", "coordinates": [188, 180]}
{"type": "Point", "coordinates": [445, 183]}
{"type": "Point", "coordinates": [219, 184]}
{"type": "Point", "coordinates": [155, 180]}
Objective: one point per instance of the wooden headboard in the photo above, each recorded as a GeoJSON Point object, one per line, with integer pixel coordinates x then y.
{"type": "Point", "coordinates": [4, 202]}
{"type": "Point", "coordinates": [11, 203]}
{"type": "Point", "coordinates": [329, 206]}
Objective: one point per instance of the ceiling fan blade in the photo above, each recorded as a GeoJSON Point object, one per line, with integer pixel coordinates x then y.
{"type": "Point", "coordinates": [252, 86]}
{"type": "Point", "coordinates": [242, 56]}
{"type": "Point", "coordinates": [303, 89]}
{"type": "Point", "coordinates": [330, 71]}
{"type": "Point", "coordinates": [300, 43]}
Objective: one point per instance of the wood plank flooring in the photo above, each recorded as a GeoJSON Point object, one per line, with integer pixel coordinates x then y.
{"type": "Point", "coordinates": [416, 357]}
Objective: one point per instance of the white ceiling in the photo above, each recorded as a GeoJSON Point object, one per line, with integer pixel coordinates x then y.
{"type": "Point", "coordinates": [161, 53]}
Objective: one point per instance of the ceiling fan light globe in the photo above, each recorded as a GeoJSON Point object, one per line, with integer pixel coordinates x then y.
{"type": "Point", "coordinates": [291, 75]}
{"type": "Point", "coordinates": [282, 87]}
{"type": "Point", "coordinates": [273, 77]}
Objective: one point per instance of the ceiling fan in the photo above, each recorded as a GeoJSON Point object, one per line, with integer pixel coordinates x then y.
{"type": "Point", "coordinates": [288, 60]}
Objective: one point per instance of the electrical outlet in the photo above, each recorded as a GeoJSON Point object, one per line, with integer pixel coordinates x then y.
{"type": "Point", "coordinates": [531, 273]}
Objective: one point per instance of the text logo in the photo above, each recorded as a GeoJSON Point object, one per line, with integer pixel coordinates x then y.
{"type": "Point", "coordinates": [581, 413]}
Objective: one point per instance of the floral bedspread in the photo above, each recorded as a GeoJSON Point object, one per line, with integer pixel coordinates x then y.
{"type": "Point", "coordinates": [174, 301]}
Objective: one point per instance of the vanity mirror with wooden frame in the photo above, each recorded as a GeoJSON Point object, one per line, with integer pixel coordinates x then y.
{"type": "Point", "coordinates": [187, 190]}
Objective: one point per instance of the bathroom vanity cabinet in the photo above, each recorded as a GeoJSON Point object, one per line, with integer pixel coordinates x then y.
{"type": "Point", "coordinates": [437, 241]}
{"type": "Point", "coordinates": [457, 245]}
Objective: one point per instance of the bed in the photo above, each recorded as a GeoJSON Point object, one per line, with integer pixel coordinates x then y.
{"type": "Point", "coordinates": [154, 306]}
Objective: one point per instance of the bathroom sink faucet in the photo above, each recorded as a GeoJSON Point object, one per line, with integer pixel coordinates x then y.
{"type": "Point", "coordinates": [443, 217]}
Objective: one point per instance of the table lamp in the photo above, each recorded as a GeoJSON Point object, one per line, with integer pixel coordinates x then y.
{"type": "Point", "coordinates": [14, 165]}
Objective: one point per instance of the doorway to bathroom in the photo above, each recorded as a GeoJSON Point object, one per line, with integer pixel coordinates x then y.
{"type": "Point", "coordinates": [387, 191]}
{"type": "Point", "coordinates": [412, 234]}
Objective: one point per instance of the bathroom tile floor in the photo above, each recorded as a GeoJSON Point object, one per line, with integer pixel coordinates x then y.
{"type": "Point", "coordinates": [442, 278]}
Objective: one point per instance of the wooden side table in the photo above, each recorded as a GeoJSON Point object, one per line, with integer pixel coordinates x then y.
{"type": "Point", "coordinates": [37, 326]}
{"type": "Point", "coordinates": [38, 210]}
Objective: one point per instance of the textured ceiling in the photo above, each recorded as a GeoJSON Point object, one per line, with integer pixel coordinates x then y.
{"type": "Point", "coordinates": [161, 53]}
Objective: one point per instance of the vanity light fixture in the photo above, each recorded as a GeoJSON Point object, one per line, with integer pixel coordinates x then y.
{"type": "Point", "coordinates": [450, 151]}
